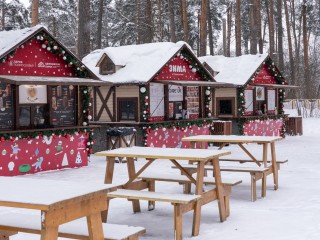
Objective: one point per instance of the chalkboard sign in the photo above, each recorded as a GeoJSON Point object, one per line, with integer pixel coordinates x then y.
{"type": "Point", "coordinates": [63, 106]}
{"type": "Point", "coordinates": [6, 108]}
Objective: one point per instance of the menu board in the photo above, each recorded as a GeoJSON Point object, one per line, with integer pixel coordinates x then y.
{"type": "Point", "coordinates": [156, 99]}
{"type": "Point", "coordinates": [6, 109]}
{"type": "Point", "coordinates": [175, 93]}
{"type": "Point", "coordinates": [271, 99]}
{"type": "Point", "coordinates": [192, 100]}
{"type": "Point", "coordinates": [248, 102]}
{"type": "Point", "coordinates": [63, 106]}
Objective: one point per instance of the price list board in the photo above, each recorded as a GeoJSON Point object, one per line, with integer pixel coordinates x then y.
{"type": "Point", "coordinates": [63, 106]}
{"type": "Point", "coordinates": [6, 108]}
{"type": "Point", "coordinates": [193, 100]}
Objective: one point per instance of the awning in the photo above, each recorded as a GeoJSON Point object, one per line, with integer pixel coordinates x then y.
{"type": "Point", "coordinates": [197, 83]}
{"type": "Point", "coordinates": [274, 86]}
{"type": "Point", "coordinates": [35, 80]}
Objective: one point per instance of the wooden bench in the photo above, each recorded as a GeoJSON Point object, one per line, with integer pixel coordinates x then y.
{"type": "Point", "coordinates": [279, 162]}
{"type": "Point", "coordinates": [11, 224]}
{"type": "Point", "coordinates": [182, 203]}
{"type": "Point", "coordinates": [256, 173]}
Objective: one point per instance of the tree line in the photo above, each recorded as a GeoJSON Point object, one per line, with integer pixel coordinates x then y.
{"type": "Point", "coordinates": [287, 30]}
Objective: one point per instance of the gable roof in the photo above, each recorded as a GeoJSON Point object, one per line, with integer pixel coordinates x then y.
{"type": "Point", "coordinates": [139, 63]}
{"type": "Point", "coordinates": [235, 70]}
{"type": "Point", "coordinates": [11, 40]}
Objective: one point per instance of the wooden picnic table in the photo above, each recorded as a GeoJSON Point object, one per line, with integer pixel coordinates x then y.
{"type": "Point", "coordinates": [240, 141]}
{"type": "Point", "coordinates": [59, 202]}
{"type": "Point", "coordinates": [201, 157]}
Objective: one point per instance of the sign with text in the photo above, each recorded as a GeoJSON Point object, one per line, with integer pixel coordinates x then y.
{"type": "Point", "coordinates": [6, 108]}
{"type": "Point", "coordinates": [175, 93]}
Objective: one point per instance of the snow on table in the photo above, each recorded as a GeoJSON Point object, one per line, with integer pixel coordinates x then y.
{"type": "Point", "coordinates": [44, 192]}
{"type": "Point", "coordinates": [165, 153]}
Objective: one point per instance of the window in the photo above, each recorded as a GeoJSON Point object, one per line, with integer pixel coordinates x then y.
{"type": "Point", "coordinates": [32, 116]}
{"type": "Point", "coordinates": [225, 106]}
{"type": "Point", "coordinates": [127, 109]}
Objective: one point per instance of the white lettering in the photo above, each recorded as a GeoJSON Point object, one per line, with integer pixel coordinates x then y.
{"type": "Point", "coordinates": [177, 69]}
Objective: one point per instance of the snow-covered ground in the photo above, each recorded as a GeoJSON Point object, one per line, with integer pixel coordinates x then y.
{"type": "Point", "coordinates": [292, 212]}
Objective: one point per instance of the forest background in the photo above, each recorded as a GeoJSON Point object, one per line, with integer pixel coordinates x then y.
{"type": "Point", "coordinates": [287, 30]}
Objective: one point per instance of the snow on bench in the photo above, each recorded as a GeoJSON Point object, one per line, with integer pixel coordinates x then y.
{"type": "Point", "coordinates": [11, 223]}
{"type": "Point", "coordinates": [256, 173]}
{"type": "Point", "coordinates": [251, 161]}
{"type": "Point", "coordinates": [182, 203]}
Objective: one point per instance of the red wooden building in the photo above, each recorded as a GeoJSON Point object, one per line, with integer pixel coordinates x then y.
{"type": "Point", "coordinates": [44, 104]}
{"type": "Point", "coordinates": [161, 89]}
{"type": "Point", "coordinates": [255, 101]}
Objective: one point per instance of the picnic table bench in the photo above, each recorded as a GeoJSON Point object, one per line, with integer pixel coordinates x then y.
{"type": "Point", "coordinates": [182, 203]}
{"type": "Point", "coordinates": [256, 172]}
{"type": "Point", "coordinates": [173, 155]}
{"type": "Point", "coordinates": [60, 202]}
{"type": "Point", "coordinates": [11, 224]}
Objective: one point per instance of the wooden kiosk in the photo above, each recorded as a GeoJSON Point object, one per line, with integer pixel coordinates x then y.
{"type": "Point", "coordinates": [44, 104]}
{"type": "Point", "coordinates": [160, 89]}
{"type": "Point", "coordinates": [255, 101]}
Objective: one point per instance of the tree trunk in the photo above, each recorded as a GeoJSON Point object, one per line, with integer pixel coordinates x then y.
{"type": "Point", "coordinates": [137, 20]}
{"type": "Point", "coordinates": [253, 28]}
{"type": "Point", "coordinates": [224, 37]}
{"type": "Point", "coordinates": [229, 22]}
{"type": "Point", "coordinates": [184, 20]}
{"type": "Point", "coordinates": [35, 13]}
{"type": "Point", "coordinates": [271, 28]}
{"type": "Point", "coordinates": [160, 27]}
{"type": "Point", "coordinates": [149, 35]}
{"type": "Point", "coordinates": [83, 28]}
{"type": "Point", "coordinates": [238, 28]}
{"type": "Point", "coordinates": [291, 61]}
{"type": "Point", "coordinates": [210, 32]}
{"type": "Point", "coordinates": [203, 28]}
{"type": "Point", "coordinates": [172, 26]}
{"type": "Point", "coordinates": [308, 89]}
{"type": "Point", "coordinates": [3, 13]}
{"type": "Point", "coordinates": [280, 36]}
{"type": "Point", "coordinates": [259, 27]}
{"type": "Point", "coordinates": [99, 27]}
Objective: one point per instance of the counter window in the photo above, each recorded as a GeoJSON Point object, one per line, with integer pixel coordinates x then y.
{"type": "Point", "coordinates": [127, 109]}
{"type": "Point", "coordinates": [225, 106]}
{"type": "Point", "coordinates": [32, 116]}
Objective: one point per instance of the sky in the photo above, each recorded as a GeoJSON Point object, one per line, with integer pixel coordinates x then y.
{"type": "Point", "coordinates": [291, 212]}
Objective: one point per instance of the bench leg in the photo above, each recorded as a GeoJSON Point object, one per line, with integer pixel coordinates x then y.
{"type": "Point", "coordinates": [177, 222]}
{"type": "Point", "coordinates": [253, 187]}
{"type": "Point", "coordinates": [95, 226]}
{"type": "Point", "coordinates": [104, 214]}
{"type": "Point", "coordinates": [274, 166]}
{"type": "Point", "coordinates": [152, 188]}
{"type": "Point", "coordinates": [264, 185]}
{"type": "Point", "coordinates": [5, 235]}
{"type": "Point", "coordinates": [131, 173]}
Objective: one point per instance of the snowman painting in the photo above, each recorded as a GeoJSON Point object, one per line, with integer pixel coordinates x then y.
{"type": "Point", "coordinates": [81, 143]}
{"type": "Point", "coordinates": [59, 148]}
{"type": "Point", "coordinates": [15, 150]}
{"type": "Point", "coordinates": [38, 164]}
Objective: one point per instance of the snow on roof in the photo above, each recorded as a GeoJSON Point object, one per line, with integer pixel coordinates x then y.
{"type": "Point", "coordinates": [236, 70]}
{"type": "Point", "coordinates": [140, 62]}
{"type": "Point", "coordinates": [9, 39]}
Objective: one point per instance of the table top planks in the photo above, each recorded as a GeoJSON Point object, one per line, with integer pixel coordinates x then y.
{"type": "Point", "coordinates": [165, 153]}
{"type": "Point", "coordinates": [22, 192]}
{"type": "Point", "coordinates": [232, 139]}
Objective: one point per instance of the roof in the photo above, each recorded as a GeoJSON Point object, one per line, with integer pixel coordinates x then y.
{"type": "Point", "coordinates": [20, 80]}
{"type": "Point", "coordinates": [235, 70]}
{"type": "Point", "coordinates": [139, 62]}
{"type": "Point", "coordinates": [10, 39]}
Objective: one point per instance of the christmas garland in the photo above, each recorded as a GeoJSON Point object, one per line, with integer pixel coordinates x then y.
{"type": "Point", "coordinates": [243, 121]}
{"type": "Point", "coordinates": [144, 103]}
{"type": "Point", "coordinates": [52, 46]}
{"type": "Point", "coordinates": [174, 124]}
{"type": "Point", "coordinates": [241, 101]}
{"type": "Point", "coordinates": [207, 101]}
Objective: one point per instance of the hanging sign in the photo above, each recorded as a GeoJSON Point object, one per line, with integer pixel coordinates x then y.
{"type": "Point", "coordinates": [175, 93]}
{"type": "Point", "coordinates": [248, 102]}
{"type": "Point", "coordinates": [271, 99]}
{"type": "Point", "coordinates": [32, 94]}
{"type": "Point", "coordinates": [156, 99]}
